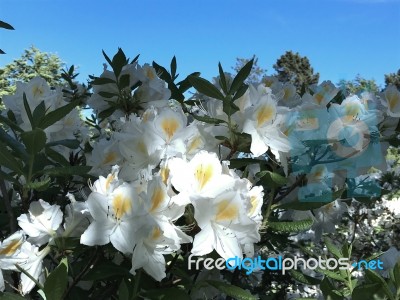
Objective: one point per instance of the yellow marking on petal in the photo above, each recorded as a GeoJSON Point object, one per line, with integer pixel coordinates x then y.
{"type": "Point", "coordinates": [194, 144]}
{"type": "Point", "coordinates": [156, 233]}
{"type": "Point", "coordinates": [157, 198]}
{"type": "Point", "coordinates": [110, 157]}
{"type": "Point", "coordinates": [319, 97]}
{"type": "Point", "coordinates": [37, 91]}
{"type": "Point", "coordinates": [203, 174]}
{"type": "Point", "coordinates": [253, 202]}
{"type": "Point", "coordinates": [265, 114]}
{"type": "Point", "coordinates": [319, 172]}
{"type": "Point", "coordinates": [11, 248]}
{"type": "Point", "coordinates": [392, 100]}
{"type": "Point", "coordinates": [142, 147]}
{"type": "Point", "coordinates": [108, 180]}
{"type": "Point", "coordinates": [170, 126]}
{"type": "Point", "coordinates": [121, 205]}
{"type": "Point", "coordinates": [164, 173]}
{"type": "Point", "coordinates": [150, 74]}
{"type": "Point", "coordinates": [226, 211]}
{"type": "Point", "coordinates": [268, 82]}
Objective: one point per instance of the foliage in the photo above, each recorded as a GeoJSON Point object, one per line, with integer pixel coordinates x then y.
{"type": "Point", "coordinates": [32, 63]}
{"type": "Point", "coordinates": [358, 86]}
{"type": "Point", "coordinates": [116, 206]}
{"type": "Point", "coordinates": [256, 74]}
{"type": "Point", "coordinates": [296, 69]}
{"type": "Point", "coordinates": [393, 78]}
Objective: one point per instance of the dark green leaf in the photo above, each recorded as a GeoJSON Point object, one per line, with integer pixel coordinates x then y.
{"type": "Point", "coordinates": [273, 178]}
{"type": "Point", "coordinates": [329, 291]}
{"type": "Point", "coordinates": [291, 227]}
{"type": "Point", "coordinates": [6, 25]}
{"type": "Point", "coordinates": [241, 77]}
{"type": "Point", "coordinates": [376, 278]}
{"type": "Point", "coordinates": [332, 248]}
{"type": "Point", "coordinates": [102, 80]}
{"type": "Point", "coordinates": [166, 294]}
{"type": "Point", "coordinates": [366, 291]}
{"type": "Point", "coordinates": [70, 143]}
{"type": "Point", "coordinates": [304, 278]}
{"type": "Point", "coordinates": [173, 68]}
{"type": "Point", "coordinates": [331, 274]}
{"type": "Point", "coordinates": [39, 112]}
{"type": "Point", "coordinates": [107, 94]}
{"type": "Point", "coordinates": [231, 290]}
{"type": "Point", "coordinates": [237, 163]}
{"type": "Point", "coordinates": [222, 79]}
{"type": "Point", "coordinates": [41, 185]}
{"type": "Point", "coordinates": [10, 296]}
{"type": "Point", "coordinates": [205, 87]}
{"type": "Point", "coordinates": [162, 72]}
{"type": "Point", "coordinates": [123, 81]}
{"type": "Point", "coordinates": [67, 171]}
{"type": "Point", "coordinates": [28, 111]}
{"type": "Point", "coordinates": [16, 146]}
{"type": "Point", "coordinates": [106, 269]}
{"type": "Point", "coordinates": [118, 62]}
{"type": "Point", "coordinates": [107, 112]}
{"type": "Point", "coordinates": [57, 281]}
{"type": "Point", "coordinates": [185, 84]}
{"type": "Point", "coordinates": [229, 107]}
{"type": "Point", "coordinates": [10, 123]}
{"type": "Point", "coordinates": [7, 160]}
{"type": "Point", "coordinates": [208, 120]}
{"type": "Point", "coordinates": [56, 115]}
{"type": "Point", "coordinates": [34, 140]}
{"type": "Point", "coordinates": [240, 92]}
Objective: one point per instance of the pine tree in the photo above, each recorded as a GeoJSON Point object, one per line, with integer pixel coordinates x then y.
{"type": "Point", "coordinates": [393, 78]}
{"type": "Point", "coordinates": [256, 74]}
{"type": "Point", "coordinates": [296, 69]}
{"type": "Point", "coordinates": [358, 85]}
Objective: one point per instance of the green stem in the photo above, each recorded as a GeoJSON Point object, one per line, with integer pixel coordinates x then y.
{"type": "Point", "coordinates": [269, 204]}
{"type": "Point", "coordinates": [38, 284]}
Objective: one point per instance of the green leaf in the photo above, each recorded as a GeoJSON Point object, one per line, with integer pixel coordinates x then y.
{"type": "Point", "coordinates": [166, 294]}
{"type": "Point", "coordinates": [396, 274]}
{"type": "Point", "coordinates": [332, 248]}
{"type": "Point", "coordinates": [67, 171]}
{"type": "Point", "coordinates": [41, 185]}
{"type": "Point", "coordinates": [28, 111]}
{"type": "Point", "coordinates": [237, 163]}
{"type": "Point", "coordinates": [229, 107]}
{"type": "Point", "coordinates": [375, 277]}
{"type": "Point", "coordinates": [329, 291]}
{"type": "Point", "coordinates": [331, 274]}
{"type": "Point", "coordinates": [231, 290]}
{"type": "Point", "coordinates": [57, 281]}
{"type": "Point", "coordinates": [16, 146]}
{"type": "Point", "coordinates": [8, 177]}
{"type": "Point", "coordinates": [104, 270]}
{"type": "Point", "coordinates": [34, 140]}
{"type": "Point", "coordinates": [185, 84]}
{"type": "Point", "coordinates": [10, 123]}
{"type": "Point", "coordinates": [241, 77]}
{"type": "Point", "coordinates": [57, 114]}
{"type": "Point", "coordinates": [162, 72]}
{"type": "Point", "coordinates": [304, 278]}
{"type": "Point", "coordinates": [274, 178]}
{"type": "Point", "coordinates": [7, 160]}
{"type": "Point", "coordinates": [107, 94]}
{"type": "Point", "coordinates": [6, 25]}
{"type": "Point", "coordinates": [240, 92]}
{"type": "Point", "coordinates": [124, 291]}
{"type": "Point", "coordinates": [107, 112]}
{"type": "Point", "coordinates": [123, 81]}
{"type": "Point", "coordinates": [10, 296]}
{"type": "Point", "coordinates": [291, 226]}
{"type": "Point", "coordinates": [205, 87]}
{"type": "Point", "coordinates": [118, 62]}
{"type": "Point", "coordinates": [39, 112]}
{"type": "Point", "coordinates": [365, 291]}
{"type": "Point", "coordinates": [222, 79]}
{"type": "Point", "coordinates": [173, 68]}
{"type": "Point", "coordinates": [107, 58]}
{"type": "Point", "coordinates": [209, 120]}
{"type": "Point", "coordinates": [69, 143]}
{"type": "Point", "coordinates": [102, 80]}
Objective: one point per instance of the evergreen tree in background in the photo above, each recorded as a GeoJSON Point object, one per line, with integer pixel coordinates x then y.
{"type": "Point", "coordinates": [393, 78]}
{"type": "Point", "coordinates": [296, 69]}
{"type": "Point", "coordinates": [256, 73]}
{"type": "Point", "coordinates": [358, 85]}
{"type": "Point", "coordinates": [32, 63]}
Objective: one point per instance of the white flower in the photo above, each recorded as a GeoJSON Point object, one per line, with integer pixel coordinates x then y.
{"type": "Point", "coordinates": [115, 218]}
{"type": "Point", "coordinates": [41, 222]}
{"type": "Point", "coordinates": [392, 101]}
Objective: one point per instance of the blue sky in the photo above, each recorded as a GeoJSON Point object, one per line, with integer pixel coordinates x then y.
{"type": "Point", "coordinates": [340, 37]}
